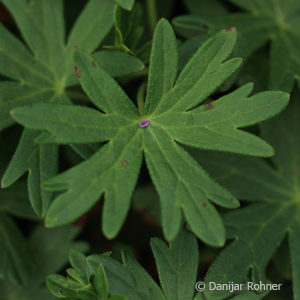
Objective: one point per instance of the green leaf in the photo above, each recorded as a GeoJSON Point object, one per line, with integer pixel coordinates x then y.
{"type": "Point", "coordinates": [103, 91]}
{"type": "Point", "coordinates": [117, 63]}
{"type": "Point", "coordinates": [40, 162]}
{"type": "Point", "coordinates": [121, 160]}
{"type": "Point", "coordinates": [126, 4]}
{"type": "Point", "coordinates": [259, 228]}
{"type": "Point", "coordinates": [194, 85]}
{"type": "Point", "coordinates": [177, 265]}
{"type": "Point", "coordinates": [210, 7]}
{"type": "Point", "coordinates": [14, 201]}
{"type": "Point", "coordinates": [117, 297]}
{"type": "Point", "coordinates": [60, 287]}
{"type": "Point", "coordinates": [58, 120]}
{"type": "Point", "coordinates": [262, 22]}
{"type": "Point", "coordinates": [101, 283]}
{"type": "Point", "coordinates": [163, 65]}
{"type": "Point", "coordinates": [129, 31]}
{"type": "Point", "coordinates": [128, 279]}
{"type": "Point", "coordinates": [15, 262]}
{"type": "Point", "coordinates": [46, 250]}
{"type": "Point", "coordinates": [42, 74]}
{"type": "Point", "coordinates": [47, 258]}
{"type": "Point", "coordinates": [13, 94]}
{"type": "Point", "coordinates": [176, 118]}
{"type": "Point", "coordinates": [92, 25]}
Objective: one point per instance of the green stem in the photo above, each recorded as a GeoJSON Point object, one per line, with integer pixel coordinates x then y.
{"type": "Point", "coordinates": [152, 14]}
{"type": "Point", "coordinates": [141, 98]}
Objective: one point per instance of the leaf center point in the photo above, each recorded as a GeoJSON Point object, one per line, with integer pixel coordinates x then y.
{"type": "Point", "coordinates": [144, 123]}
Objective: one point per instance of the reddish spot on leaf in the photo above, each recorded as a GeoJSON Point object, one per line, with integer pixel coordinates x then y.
{"type": "Point", "coordinates": [30, 105]}
{"type": "Point", "coordinates": [77, 71]}
{"type": "Point", "coordinates": [54, 136]}
{"type": "Point", "coordinates": [204, 204]}
{"type": "Point", "coordinates": [124, 163]}
{"type": "Point", "coordinates": [76, 47]}
{"type": "Point", "coordinates": [209, 105]}
{"type": "Point", "coordinates": [230, 28]}
{"type": "Point", "coordinates": [94, 64]}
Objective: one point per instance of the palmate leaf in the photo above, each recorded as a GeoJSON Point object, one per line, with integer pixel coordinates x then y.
{"type": "Point", "coordinates": [263, 21]}
{"type": "Point", "coordinates": [45, 75]}
{"type": "Point", "coordinates": [172, 116]}
{"type": "Point", "coordinates": [260, 228]}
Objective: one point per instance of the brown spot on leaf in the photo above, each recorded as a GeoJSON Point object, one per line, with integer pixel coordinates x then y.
{"type": "Point", "coordinates": [94, 64]}
{"type": "Point", "coordinates": [76, 47]}
{"type": "Point", "coordinates": [230, 28]}
{"type": "Point", "coordinates": [77, 71]}
{"type": "Point", "coordinates": [30, 105]}
{"type": "Point", "coordinates": [209, 105]}
{"type": "Point", "coordinates": [204, 204]}
{"type": "Point", "coordinates": [124, 163]}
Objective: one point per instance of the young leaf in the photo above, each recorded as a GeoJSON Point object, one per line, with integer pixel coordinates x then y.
{"type": "Point", "coordinates": [270, 20]}
{"type": "Point", "coordinates": [176, 118]}
{"type": "Point", "coordinates": [258, 229]}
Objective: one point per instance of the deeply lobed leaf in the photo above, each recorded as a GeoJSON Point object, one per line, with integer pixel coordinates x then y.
{"type": "Point", "coordinates": [173, 116]}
